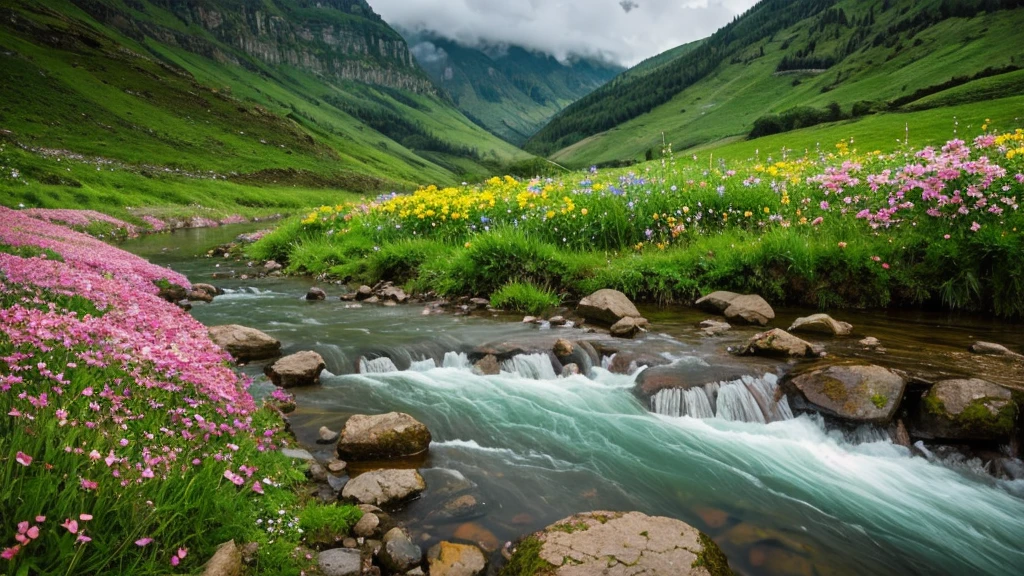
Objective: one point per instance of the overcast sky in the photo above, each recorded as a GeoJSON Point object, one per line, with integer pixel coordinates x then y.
{"type": "Point", "coordinates": [623, 31]}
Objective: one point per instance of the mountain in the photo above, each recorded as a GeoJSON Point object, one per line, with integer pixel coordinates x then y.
{"type": "Point", "coordinates": [787, 64]}
{"type": "Point", "coordinates": [310, 93]}
{"type": "Point", "coordinates": [509, 90]}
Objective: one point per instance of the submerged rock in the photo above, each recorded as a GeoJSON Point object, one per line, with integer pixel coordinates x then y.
{"type": "Point", "coordinates": [383, 487]}
{"type": "Point", "coordinates": [714, 327]}
{"type": "Point", "coordinates": [821, 324]}
{"type": "Point", "coordinates": [245, 344]}
{"type": "Point", "coordinates": [299, 369]}
{"type": "Point", "coordinates": [622, 543]}
{"type": "Point", "coordinates": [382, 437]}
{"type": "Point", "coordinates": [750, 309]}
{"type": "Point", "coordinates": [778, 342]}
{"type": "Point", "coordinates": [399, 553]}
{"type": "Point", "coordinates": [607, 307]}
{"type": "Point", "coordinates": [449, 559]}
{"type": "Point", "coordinates": [992, 349]}
{"type": "Point", "coordinates": [716, 302]}
{"type": "Point", "coordinates": [965, 410]}
{"type": "Point", "coordinates": [856, 393]}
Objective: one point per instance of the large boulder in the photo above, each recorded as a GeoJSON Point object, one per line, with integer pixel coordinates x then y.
{"type": "Point", "coordinates": [383, 437]}
{"type": "Point", "coordinates": [399, 554]}
{"type": "Point", "coordinates": [621, 543]}
{"type": "Point", "coordinates": [607, 307]}
{"type": "Point", "coordinates": [245, 344]}
{"type": "Point", "coordinates": [970, 409]}
{"type": "Point", "coordinates": [383, 487]}
{"type": "Point", "coordinates": [716, 302]}
{"type": "Point", "coordinates": [778, 342]}
{"type": "Point", "coordinates": [448, 559]}
{"type": "Point", "coordinates": [299, 369]}
{"type": "Point", "coordinates": [856, 393]}
{"type": "Point", "coordinates": [821, 324]}
{"type": "Point", "coordinates": [340, 562]}
{"type": "Point", "coordinates": [750, 309]}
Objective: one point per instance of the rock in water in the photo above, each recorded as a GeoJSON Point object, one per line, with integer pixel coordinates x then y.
{"type": "Point", "coordinates": [626, 328]}
{"type": "Point", "coordinates": [563, 348]}
{"type": "Point", "coordinates": [299, 369]}
{"type": "Point", "coordinates": [399, 554]}
{"type": "Point", "coordinates": [821, 324]}
{"type": "Point", "coordinates": [716, 302]}
{"type": "Point", "coordinates": [364, 292]}
{"type": "Point", "coordinates": [448, 559]}
{"type": "Point", "coordinates": [714, 327]}
{"type": "Point", "coordinates": [750, 309]}
{"type": "Point", "coordinates": [245, 344]}
{"type": "Point", "coordinates": [383, 437]}
{"type": "Point", "coordinates": [607, 307]}
{"type": "Point", "coordinates": [383, 487]}
{"type": "Point", "coordinates": [340, 562]}
{"type": "Point", "coordinates": [624, 543]}
{"type": "Point", "coordinates": [200, 296]}
{"type": "Point", "coordinates": [855, 393]}
{"type": "Point", "coordinates": [487, 366]}
{"type": "Point", "coordinates": [315, 293]}
{"type": "Point", "coordinates": [965, 410]}
{"type": "Point", "coordinates": [992, 349]}
{"type": "Point", "coordinates": [778, 342]}
{"type": "Point", "coordinates": [367, 525]}
{"type": "Point", "coordinates": [227, 561]}
{"type": "Point", "coordinates": [208, 288]}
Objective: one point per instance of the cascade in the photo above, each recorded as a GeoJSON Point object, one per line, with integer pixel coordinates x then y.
{"type": "Point", "coordinates": [422, 365]}
{"type": "Point", "coordinates": [535, 366]}
{"type": "Point", "coordinates": [456, 360]}
{"type": "Point", "coordinates": [748, 399]}
{"type": "Point", "coordinates": [377, 365]}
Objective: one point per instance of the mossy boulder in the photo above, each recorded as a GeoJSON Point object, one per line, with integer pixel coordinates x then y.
{"type": "Point", "coordinates": [383, 437]}
{"type": "Point", "coordinates": [618, 543]}
{"type": "Point", "coordinates": [967, 409]}
{"type": "Point", "coordinates": [852, 392]}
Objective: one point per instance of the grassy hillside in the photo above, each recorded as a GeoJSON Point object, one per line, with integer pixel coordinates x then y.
{"type": "Point", "coordinates": [883, 56]}
{"type": "Point", "coordinates": [163, 111]}
{"type": "Point", "coordinates": [512, 92]}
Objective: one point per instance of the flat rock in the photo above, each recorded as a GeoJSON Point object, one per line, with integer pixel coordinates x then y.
{"type": "Point", "coordinates": [968, 409]}
{"type": "Point", "coordinates": [464, 506]}
{"type": "Point", "coordinates": [383, 437]}
{"type": "Point", "coordinates": [716, 302]}
{"type": "Point", "coordinates": [713, 327]}
{"type": "Point", "coordinates": [327, 436]}
{"type": "Point", "coordinates": [449, 559]}
{"type": "Point", "coordinates": [631, 543]}
{"type": "Point", "coordinates": [383, 487]}
{"type": "Point", "coordinates": [821, 324]}
{"type": "Point", "coordinates": [778, 342]}
{"type": "Point", "coordinates": [245, 344]}
{"type": "Point", "coordinates": [856, 393]}
{"type": "Point", "coordinates": [750, 309]}
{"type": "Point", "coordinates": [227, 561]}
{"type": "Point", "coordinates": [340, 562]}
{"type": "Point", "coordinates": [299, 369]}
{"type": "Point", "coordinates": [607, 307]}
{"type": "Point", "coordinates": [399, 553]}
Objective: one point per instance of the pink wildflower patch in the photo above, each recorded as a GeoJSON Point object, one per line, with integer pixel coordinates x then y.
{"type": "Point", "coordinates": [23, 459]}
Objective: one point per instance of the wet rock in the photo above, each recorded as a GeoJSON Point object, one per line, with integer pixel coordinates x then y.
{"type": "Point", "coordinates": [479, 303]}
{"type": "Point", "coordinates": [529, 319]}
{"type": "Point", "coordinates": [272, 266]}
{"type": "Point", "coordinates": [399, 553]}
{"type": "Point", "coordinates": [208, 288]}
{"type": "Point", "coordinates": [607, 307]}
{"type": "Point", "coordinates": [184, 305]}
{"type": "Point", "coordinates": [750, 309]}
{"type": "Point", "coordinates": [448, 559]}
{"type": "Point", "coordinates": [335, 466]}
{"type": "Point", "coordinates": [350, 543]}
{"type": "Point", "coordinates": [337, 483]}
{"type": "Point", "coordinates": [821, 324]}
{"type": "Point", "coordinates": [473, 532]}
{"type": "Point", "coordinates": [383, 487]}
{"type": "Point", "coordinates": [971, 409]}
{"type": "Point", "coordinates": [627, 362]}
{"type": "Point", "coordinates": [627, 327]}
{"type": "Point", "coordinates": [297, 454]}
{"type": "Point", "coordinates": [317, 472]}
{"type": "Point", "coordinates": [315, 293]}
{"type": "Point", "coordinates": [367, 526]}
{"type": "Point", "coordinates": [327, 436]}
{"type": "Point", "coordinates": [363, 293]}
{"type": "Point", "coordinates": [227, 561]}
{"type": "Point", "coordinates": [992, 349]}
{"type": "Point", "coordinates": [899, 435]}
{"type": "Point", "coordinates": [854, 392]}
{"type": "Point", "coordinates": [172, 292]}
{"type": "Point", "coordinates": [245, 344]}
{"type": "Point", "coordinates": [372, 300]}
{"type": "Point", "coordinates": [299, 369]}
{"type": "Point", "coordinates": [563, 348]}
{"type": "Point", "coordinates": [393, 294]}
{"type": "Point", "coordinates": [465, 506]}
{"type": "Point", "coordinates": [383, 437]}
{"type": "Point", "coordinates": [714, 327]}
{"type": "Point", "coordinates": [487, 366]}
{"type": "Point", "coordinates": [325, 494]}
{"type": "Point", "coordinates": [626, 543]}
{"type": "Point", "coordinates": [716, 302]}
{"type": "Point", "coordinates": [350, 297]}
{"type": "Point", "coordinates": [870, 342]}
{"type": "Point", "coordinates": [557, 321]}
{"type": "Point", "coordinates": [778, 342]}
{"type": "Point", "coordinates": [570, 370]}
{"type": "Point", "coordinates": [200, 296]}
{"type": "Point", "coordinates": [340, 562]}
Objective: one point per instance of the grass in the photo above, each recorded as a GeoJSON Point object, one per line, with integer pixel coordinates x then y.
{"type": "Point", "coordinates": [525, 298]}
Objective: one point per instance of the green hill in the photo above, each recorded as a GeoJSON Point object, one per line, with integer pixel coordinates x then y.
{"type": "Point", "coordinates": [152, 101]}
{"type": "Point", "coordinates": [787, 65]}
{"type": "Point", "coordinates": [511, 91]}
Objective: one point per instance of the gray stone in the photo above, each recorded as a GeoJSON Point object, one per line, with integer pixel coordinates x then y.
{"type": "Point", "coordinates": [297, 454]}
{"type": "Point", "coordinates": [461, 507]}
{"type": "Point", "coordinates": [854, 392]}
{"type": "Point", "coordinates": [367, 526]}
{"type": "Point", "coordinates": [364, 293]}
{"type": "Point", "coordinates": [383, 436]}
{"type": "Point", "coordinates": [315, 293]}
{"type": "Point", "coordinates": [870, 342]}
{"type": "Point", "coordinates": [227, 561]}
{"type": "Point", "coordinates": [970, 409]}
{"type": "Point", "coordinates": [714, 327]}
{"type": "Point", "coordinates": [557, 321]}
{"type": "Point", "coordinates": [716, 302]}
{"type": "Point", "coordinates": [271, 266]}
{"type": "Point", "coordinates": [821, 324]}
{"type": "Point", "coordinates": [778, 342]}
{"type": "Point", "coordinates": [299, 369]}
{"type": "Point", "coordinates": [208, 288]}
{"type": "Point", "coordinates": [607, 307]}
{"type": "Point", "coordinates": [992, 349]}
{"type": "Point", "coordinates": [450, 559]}
{"type": "Point", "coordinates": [393, 294]}
{"type": "Point", "coordinates": [200, 296]}
{"type": "Point", "coordinates": [383, 487]}
{"type": "Point", "coordinates": [340, 562]}
{"type": "Point", "coordinates": [399, 553]}
{"type": "Point", "coordinates": [750, 309]}
{"type": "Point", "coordinates": [479, 303]}
{"type": "Point", "coordinates": [327, 436]}
{"type": "Point", "coordinates": [626, 328]}
{"type": "Point", "coordinates": [245, 344]}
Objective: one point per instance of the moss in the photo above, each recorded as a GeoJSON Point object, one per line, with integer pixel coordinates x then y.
{"type": "Point", "coordinates": [571, 527]}
{"type": "Point", "coordinates": [712, 558]}
{"type": "Point", "coordinates": [527, 561]}
{"type": "Point", "coordinates": [879, 400]}
{"type": "Point", "coordinates": [834, 388]}
{"type": "Point", "coordinates": [977, 417]}
{"type": "Point", "coordinates": [933, 405]}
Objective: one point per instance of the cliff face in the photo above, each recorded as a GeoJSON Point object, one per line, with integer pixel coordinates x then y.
{"type": "Point", "coordinates": [340, 39]}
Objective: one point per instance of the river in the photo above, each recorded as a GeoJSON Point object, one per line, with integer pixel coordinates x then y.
{"type": "Point", "coordinates": [788, 497]}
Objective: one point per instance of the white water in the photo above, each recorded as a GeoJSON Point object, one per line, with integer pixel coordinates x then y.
{"type": "Point", "coordinates": [535, 366]}
{"type": "Point", "coordinates": [748, 399]}
{"type": "Point", "coordinates": [377, 365]}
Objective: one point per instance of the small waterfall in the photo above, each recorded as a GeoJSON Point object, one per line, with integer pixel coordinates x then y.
{"type": "Point", "coordinates": [456, 360]}
{"type": "Point", "coordinates": [748, 399]}
{"type": "Point", "coordinates": [377, 365]}
{"type": "Point", "coordinates": [535, 366]}
{"type": "Point", "coordinates": [422, 365]}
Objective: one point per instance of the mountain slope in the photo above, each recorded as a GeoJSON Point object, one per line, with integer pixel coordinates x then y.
{"type": "Point", "coordinates": [794, 59]}
{"type": "Point", "coordinates": [511, 91]}
{"type": "Point", "coordinates": [275, 92]}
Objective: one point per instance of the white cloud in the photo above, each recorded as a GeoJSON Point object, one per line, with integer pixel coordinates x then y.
{"type": "Point", "coordinates": [623, 31]}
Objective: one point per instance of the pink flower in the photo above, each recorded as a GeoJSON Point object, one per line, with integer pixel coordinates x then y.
{"type": "Point", "coordinates": [33, 532]}
{"type": "Point", "coordinates": [23, 459]}
{"type": "Point", "coordinates": [876, 258]}
{"type": "Point", "coordinates": [885, 265]}
{"type": "Point", "coordinates": [71, 525]}
{"type": "Point", "coordinates": [842, 244]}
{"type": "Point", "coordinates": [9, 553]}
{"type": "Point", "coordinates": [95, 455]}
{"type": "Point", "coordinates": [88, 484]}
{"type": "Point", "coordinates": [946, 237]}
{"type": "Point", "coordinates": [142, 542]}
{"type": "Point", "coordinates": [257, 488]}
{"type": "Point", "coordinates": [975, 227]}
{"type": "Point", "coordinates": [85, 517]}
{"type": "Point", "coordinates": [817, 221]}
{"type": "Point", "coordinates": [175, 561]}
{"type": "Point", "coordinates": [40, 519]}
{"type": "Point", "coordinates": [22, 527]}
{"type": "Point", "coordinates": [82, 538]}
{"type": "Point", "coordinates": [182, 552]}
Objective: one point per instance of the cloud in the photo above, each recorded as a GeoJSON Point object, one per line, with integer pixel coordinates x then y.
{"type": "Point", "coordinates": [428, 53]}
{"type": "Point", "coordinates": [621, 31]}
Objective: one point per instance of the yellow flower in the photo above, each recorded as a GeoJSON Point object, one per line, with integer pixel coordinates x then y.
{"type": "Point", "coordinates": [748, 214]}
{"type": "Point", "coordinates": [655, 215]}
{"type": "Point", "coordinates": [583, 211]}
{"type": "Point", "coordinates": [468, 244]}
{"type": "Point", "coordinates": [551, 214]}
{"type": "Point", "coordinates": [686, 209]}
{"type": "Point", "coordinates": [767, 210]}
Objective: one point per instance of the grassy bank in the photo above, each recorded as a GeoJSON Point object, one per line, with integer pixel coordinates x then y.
{"type": "Point", "coordinates": [127, 443]}
{"type": "Point", "coordinates": [844, 228]}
